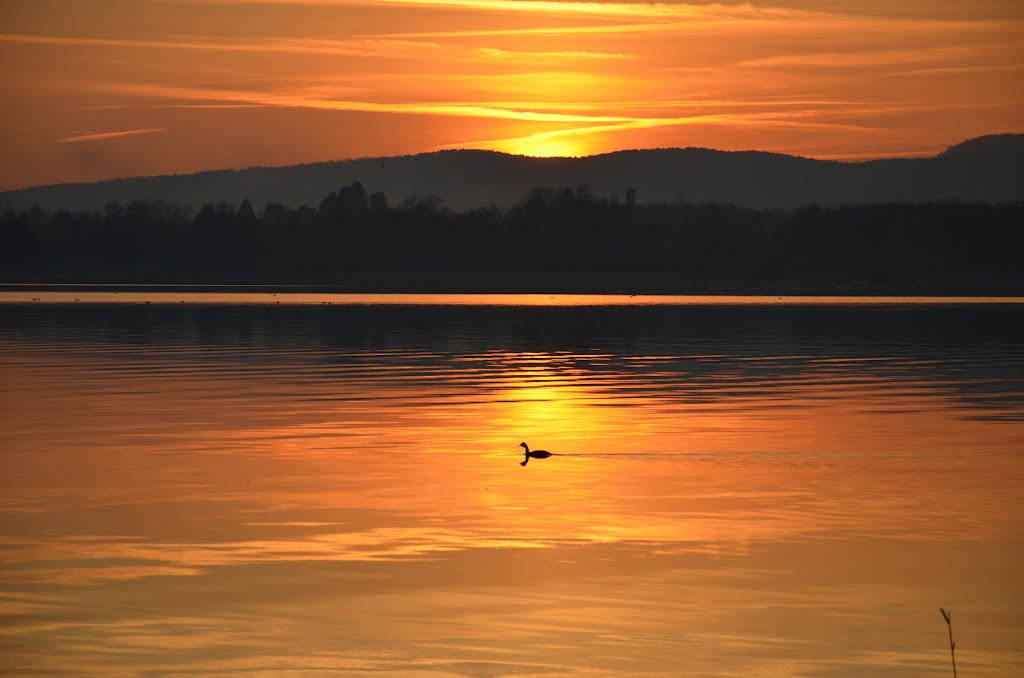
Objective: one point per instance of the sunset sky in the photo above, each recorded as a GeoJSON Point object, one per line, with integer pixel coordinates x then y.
{"type": "Point", "coordinates": [96, 89]}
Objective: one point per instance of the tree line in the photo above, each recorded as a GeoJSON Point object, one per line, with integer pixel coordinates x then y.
{"type": "Point", "coordinates": [551, 230]}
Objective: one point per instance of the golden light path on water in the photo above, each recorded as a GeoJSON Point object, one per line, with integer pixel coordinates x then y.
{"type": "Point", "coordinates": [159, 296]}
{"type": "Point", "coordinates": [735, 490]}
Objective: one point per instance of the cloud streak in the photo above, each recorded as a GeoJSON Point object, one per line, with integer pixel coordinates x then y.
{"type": "Point", "coordinates": [548, 7]}
{"type": "Point", "coordinates": [365, 47]}
{"type": "Point", "coordinates": [101, 136]}
{"type": "Point", "coordinates": [661, 14]}
{"type": "Point", "coordinates": [299, 100]}
{"type": "Point", "coordinates": [355, 47]}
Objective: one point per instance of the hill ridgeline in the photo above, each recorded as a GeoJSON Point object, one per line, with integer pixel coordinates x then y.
{"type": "Point", "coordinates": [984, 169]}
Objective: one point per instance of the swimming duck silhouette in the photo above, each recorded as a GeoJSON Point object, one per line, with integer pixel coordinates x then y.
{"type": "Point", "coordinates": [536, 454]}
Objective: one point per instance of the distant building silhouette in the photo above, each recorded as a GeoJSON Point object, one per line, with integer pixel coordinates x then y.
{"type": "Point", "coordinates": [583, 192]}
{"type": "Point", "coordinates": [630, 197]}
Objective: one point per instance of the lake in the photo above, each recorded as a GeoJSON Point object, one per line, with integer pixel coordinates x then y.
{"type": "Point", "coordinates": [258, 483]}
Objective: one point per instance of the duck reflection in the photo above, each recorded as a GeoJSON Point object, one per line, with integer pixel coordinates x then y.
{"type": "Point", "coordinates": [536, 454]}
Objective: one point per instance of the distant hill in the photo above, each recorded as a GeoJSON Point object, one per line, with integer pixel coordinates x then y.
{"type": "Point", "coordinates": [985, 169]}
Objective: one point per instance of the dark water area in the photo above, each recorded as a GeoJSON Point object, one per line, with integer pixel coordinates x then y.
{"type": "Point", "coordinates": [981, 343]}
{"type": "Point", "coordinates": [778, 488]}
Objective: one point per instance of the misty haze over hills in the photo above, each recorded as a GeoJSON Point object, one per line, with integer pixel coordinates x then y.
{"type": "Point", "coordinates": [985, 169]}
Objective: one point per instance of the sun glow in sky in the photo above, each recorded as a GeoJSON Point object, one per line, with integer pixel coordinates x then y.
{"type": "Point", "coordinates": [95, 89]}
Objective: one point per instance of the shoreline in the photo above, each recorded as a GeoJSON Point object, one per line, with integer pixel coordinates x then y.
{"type": "Point", "coordinates": [526, 281]}
{"type": "Point", "coordinates": [252, 296]}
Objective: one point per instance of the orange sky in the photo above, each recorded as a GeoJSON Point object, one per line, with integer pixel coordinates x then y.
{"type": "Point", "coordinates": [96, 89]}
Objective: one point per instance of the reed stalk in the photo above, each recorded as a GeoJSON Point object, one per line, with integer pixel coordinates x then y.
{"type": "Point", "coordinates": [952, 643]}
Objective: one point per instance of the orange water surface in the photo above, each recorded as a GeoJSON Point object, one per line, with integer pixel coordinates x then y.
{"type": "Point", "coordinates": [243, 488]}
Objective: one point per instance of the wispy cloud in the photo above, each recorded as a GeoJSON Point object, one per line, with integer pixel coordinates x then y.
{"type": "Point", "coordinates": [628, 9]}
{"type": "Point", "coordinates": [494, 53]}
{"type": "Point", "coordinates": [908, 55]}
{"type": "Point", "coordinates": [574, 120]}
{"type": "Point", "coordinates": [100, 136]}
{"type": "Point", "coordinates": [376, 47]}
{"type": "Point", "coordinates": [114, 107]}
{"type": "Point", "coordinates": [948, 70]}
{"type": "Point", "coordinates": [624, 9]}
{"type": "Point", "coordinates": [664, 26]}
{"type": "Point", "coordinates": [678, 14]}
{"type": "Point", "coordinates": [300, 100]}
{"type": "Point", "coordinates": [354, 47]}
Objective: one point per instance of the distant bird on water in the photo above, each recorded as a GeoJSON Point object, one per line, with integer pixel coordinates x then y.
{"type": "Point", "coordinates": [536, 454]}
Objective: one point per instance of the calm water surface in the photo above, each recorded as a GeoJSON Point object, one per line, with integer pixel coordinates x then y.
{"type": "Point", "coordinates": [235, 486]}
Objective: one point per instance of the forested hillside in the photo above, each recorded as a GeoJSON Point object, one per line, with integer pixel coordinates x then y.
{"type": "Point", "coordinates": [553, 238]}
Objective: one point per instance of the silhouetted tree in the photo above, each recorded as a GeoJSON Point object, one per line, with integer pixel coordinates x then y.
{"type": "Point", "coordinates": [378, 202]}
{"type": "Point", "coordinates": [246, 215]}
